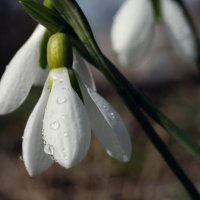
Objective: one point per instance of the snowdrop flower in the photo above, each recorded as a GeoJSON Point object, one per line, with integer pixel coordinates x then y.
{"type": "Point", "coordinates": [21, 73]}
{"type": "Point", "coordinates": [132, 29]}
{"type": "Point", "coordinates": [178, 30]}
{"type": "Point", "coordinates": [59, 128]}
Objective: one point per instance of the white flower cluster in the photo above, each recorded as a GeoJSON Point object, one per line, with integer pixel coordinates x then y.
{"type": "Point", "coordinates": [59, 127]}
{"type": "Point", "coordinates": [133, 27]}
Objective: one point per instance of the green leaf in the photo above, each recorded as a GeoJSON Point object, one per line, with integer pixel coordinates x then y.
{"type": "Point", "coordinates": [74, 16]}
{"type": "Point", "coordinates": [43, 15]}
{"type": "Point", "coordinates": [54, 23]}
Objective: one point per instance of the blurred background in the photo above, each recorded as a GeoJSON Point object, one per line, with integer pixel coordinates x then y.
{"type": "Point", "coordinates": [173, 86]}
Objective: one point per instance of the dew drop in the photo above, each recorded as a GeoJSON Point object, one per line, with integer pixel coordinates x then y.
{"type": "Point", "coordinates": [52, 157]}
{"type": "Point", "coordinates": [112, 115]}
{"type": "Point", "coordinates": [66, 157]}
{"type": "Point", "coordinates": [64, 151]}
{"type": "Point", "coordinates": [48, 149]}
{"type": "Point", "coordinates": [65, 134]}
{"type": "Point", "coordinates": [44, 142]}
{"type": "Point", "coordinates": [90, 91]}
{"type": "Point", "coordinates": [55, 78]}
{"type": "Point", "coordinates": [125, 158]}
{"type": "Point", "coordinates": [109, 152]}
{"type": "Point", "coordinates": [62, 116]}
{"type": "Point", "coordinates": [55, 125]}
{"type": "Point", "coordinates": [61, 100]}
{"type": "Point", "coordinates": [61, 80]}
{"type": "Point", "coordinates": [21, 158]}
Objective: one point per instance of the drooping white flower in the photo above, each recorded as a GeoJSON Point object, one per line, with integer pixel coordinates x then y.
{"type": "Point", "coordinates": [178, 30]}
{"type": "Point", "coordinates": [66, 127]}
{"type": "Point", "coordinates": [21, 73]}
{"type": "Point", "coordinates": [64, 134]}
{"type": "Point", "coordinates": [132, 31]}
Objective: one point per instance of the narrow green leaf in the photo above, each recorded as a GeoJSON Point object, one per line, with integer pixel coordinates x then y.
{"type": "Point", "coordinates": [74, 16]}
{"type": "Point", "coordinates": [54, 23]}
{"type": "Point", "coordinates": [43, 15]}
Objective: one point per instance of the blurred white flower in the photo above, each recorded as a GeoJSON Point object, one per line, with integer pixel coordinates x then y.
{"type": "Point", "coordinates": [178, 30]}
{"type": "Point", "coordinates": [21, 73]}
{"type": "Point", "coordinates": [132, 29]}
{"type": "Point", "coordinates": [64, 134]}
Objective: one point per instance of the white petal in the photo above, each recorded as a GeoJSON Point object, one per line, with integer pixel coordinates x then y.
{"type": "Point", "coordinates": [35, 159]}
{"type": "Point", "coordinates": [67, 129]}
{"type": "Point", "coordinates": [20, 73]}
{"type": "Point", "coordinates": [107, 125]}
{"type": "Point", "coordinates": [41, 77]}
{"type": "Point", "coordinates": [132, 31]}
{"type": "Point", "coordinates": [83, 70]}
{"type": "Point", "coordinates": [178, 30]}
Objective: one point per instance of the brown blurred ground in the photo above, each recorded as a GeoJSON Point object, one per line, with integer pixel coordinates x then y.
{"type": "Point", "coordinates": [170, 83]}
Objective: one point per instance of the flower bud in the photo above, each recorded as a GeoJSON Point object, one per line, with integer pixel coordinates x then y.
{"type": "Point", "coordinates": [48, 3]}
{"type": "Point", "coordinates": [59, 51]}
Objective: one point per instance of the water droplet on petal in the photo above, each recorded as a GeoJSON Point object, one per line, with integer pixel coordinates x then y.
{"type": "Point", "coordinates": [65, 134]}
{"type": "Point", "coordinates": [108, 152]}
{"type": "Point", "coordinates": [48, 149]}
{"type": "Point", "coordinates": [90, 91]}
{"type": "Point", "coordinates": [52, 157]}
{"type": "Point", "coordinates": [21, 158]}
{"type": "Point", "coordinates": [62, 116]}
{"type": "Point", "coordinates": [64, 151]}
{"type": "Point", "coordinates": [112, 115]}
{"type": "Point", "coordinates": [125, 158]}
{"type": "Point", "coordinates": [55, 78]}
{"type": "Point", "coordinates": [61, 100]}
{"type": "Point", "coordinates": [55, 125]}
{"type": "Point", "coordinates": [44, 140]}
{"type": "Point", "coordinates": [61, 80]}
{"type": "Point", "coordinates": [66, 157]}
